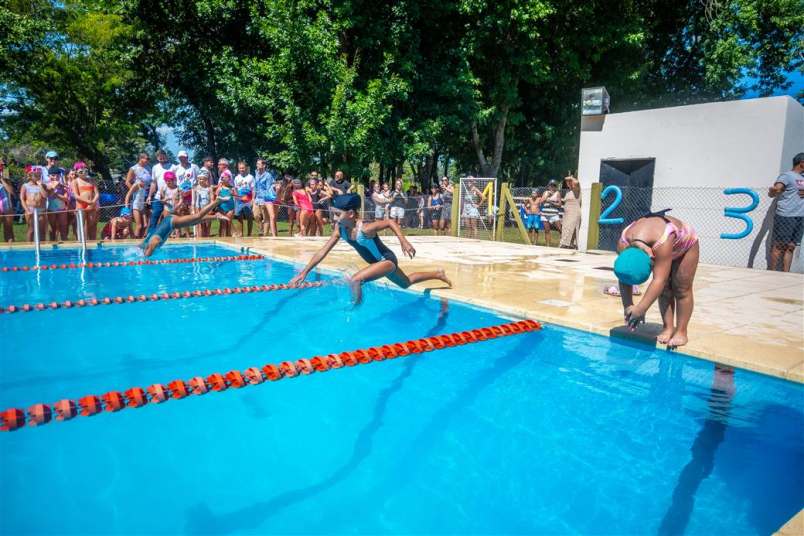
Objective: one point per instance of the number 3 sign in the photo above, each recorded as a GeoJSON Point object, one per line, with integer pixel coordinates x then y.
{"type": "Point", "coordinates": [740, 212]}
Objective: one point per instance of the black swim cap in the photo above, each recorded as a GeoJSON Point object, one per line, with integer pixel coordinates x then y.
{"type": "Point", "coordinates": [346, 202]}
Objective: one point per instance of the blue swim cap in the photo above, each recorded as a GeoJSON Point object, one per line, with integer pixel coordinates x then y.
{"type": "Point", "coordinates": [632, 266]}
{"type": "Point", "coordinates": [125, 211]}
{"type": "Point", "coordinates": [346, 202]}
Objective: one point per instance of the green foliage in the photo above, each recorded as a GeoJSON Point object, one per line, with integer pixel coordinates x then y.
{"type": "Point", "coordinates": [381, 87]}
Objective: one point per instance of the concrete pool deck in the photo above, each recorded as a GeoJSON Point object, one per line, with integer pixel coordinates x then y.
{"type": "Point", "coordinates": [751, 319]}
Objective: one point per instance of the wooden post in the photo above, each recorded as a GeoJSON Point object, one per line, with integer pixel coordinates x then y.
{"type": "Point", "coordinates": [503, 208]}
{"type": "Point", "coordinates": [517, 218]}
{"type": "Point", "coordinates": [361, 191]}
{"type": "Point", "coordinates": [456, 211]}
{"type": "Point", "coordinates": [593, 236]}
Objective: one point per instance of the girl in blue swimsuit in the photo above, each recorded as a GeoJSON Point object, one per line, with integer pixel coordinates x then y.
{"type": "Point", "coordinates": [227, 205]}
{"type": "Point", "coordinates": [363, 238]}
{"type": "Point", "coordinates": [160, 234]}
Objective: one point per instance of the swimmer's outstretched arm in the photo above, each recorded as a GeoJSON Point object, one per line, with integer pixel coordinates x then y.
{"type": "Point", "coordinates": [374, 227]}
{"type": "Point", "coordinates": [318, 257]}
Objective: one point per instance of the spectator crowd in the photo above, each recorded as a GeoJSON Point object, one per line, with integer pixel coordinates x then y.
{"type": "Point", "coordinates": [253, 200]}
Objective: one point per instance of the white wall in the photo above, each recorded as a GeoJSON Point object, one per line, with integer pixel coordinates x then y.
{"type": "Point", "coordinates": [744, 143]}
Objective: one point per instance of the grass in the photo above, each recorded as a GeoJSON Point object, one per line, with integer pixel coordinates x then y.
{"type": "Point", "coordinates": [510, 234]}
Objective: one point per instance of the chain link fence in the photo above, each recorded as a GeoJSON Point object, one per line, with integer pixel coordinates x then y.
{"type": "Point", "coordinates": [478, 207]}
{"type": "Point", "coordinates": [736, 227]}
{"type": "Point", "coordinates": [544, 227]}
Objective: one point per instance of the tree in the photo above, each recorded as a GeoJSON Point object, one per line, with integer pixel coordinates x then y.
{"type": "Point", "coordinates": [70, 81]}
{"type": "Point", "coordinates": [361, 85]}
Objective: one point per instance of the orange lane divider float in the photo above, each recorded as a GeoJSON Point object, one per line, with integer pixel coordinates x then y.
{"type": "Point", "coordinates": [117, 300]}
{"type": "Point", "coordinates": [137, 397]}
{"type": "Point", "coordinates": [146, 262]}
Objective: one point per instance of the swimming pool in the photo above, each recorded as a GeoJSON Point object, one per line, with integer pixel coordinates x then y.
{"type": "Point", "coordinates": [557, 431]}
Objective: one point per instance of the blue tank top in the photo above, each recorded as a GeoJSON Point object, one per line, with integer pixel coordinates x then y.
{"type": "Point", "coordinates": [372, 250]}
{"type": "Point", "coordinates": [227, 205]}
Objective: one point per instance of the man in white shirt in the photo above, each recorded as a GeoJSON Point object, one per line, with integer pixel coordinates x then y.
{"type": "Point", "coordinates": [158, 184]}
{"type": "Point", "coordinates": [186, 170]}
{"type": "Point", "coordinates": [244, 189]}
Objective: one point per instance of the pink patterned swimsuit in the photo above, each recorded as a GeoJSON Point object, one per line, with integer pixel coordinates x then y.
{"type": "Point", "coordinates": [684, 236]}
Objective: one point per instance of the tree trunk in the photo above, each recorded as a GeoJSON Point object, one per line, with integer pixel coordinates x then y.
{"type": "Point", "coordinates": [209, 130]}
{"type": "Point", "coordinates": [102, 167]}
{"type": "Point", "coordinates": [490, 168]}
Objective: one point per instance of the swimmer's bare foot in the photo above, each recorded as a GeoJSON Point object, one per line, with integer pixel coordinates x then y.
{"type": "Point", "coordinates": [665, 335]}
{"type": "Point", "coordinates": [679, 338]}
{"type": "Point", "coordinates": [442, 276]}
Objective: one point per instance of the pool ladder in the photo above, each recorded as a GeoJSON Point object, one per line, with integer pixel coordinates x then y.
{"type": "Point", "coordinates": [79, 229]}
{"type": "Point", "coordinates": [37, 241]}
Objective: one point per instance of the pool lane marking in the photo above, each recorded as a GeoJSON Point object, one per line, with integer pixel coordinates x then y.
{"type": "Point", "coordinates": [136, 397]}
{"type": "Point", "coordinates": [116, 264]}
{"type": "Point", "coordinates": [142, 298]}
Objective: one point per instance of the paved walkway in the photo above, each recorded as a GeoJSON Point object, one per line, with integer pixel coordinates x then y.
{"type": "Point", "coordinates": [745, 318]}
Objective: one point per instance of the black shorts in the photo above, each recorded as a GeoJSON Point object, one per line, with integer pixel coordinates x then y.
{"type": "Point", "coordinates": [788, 229]}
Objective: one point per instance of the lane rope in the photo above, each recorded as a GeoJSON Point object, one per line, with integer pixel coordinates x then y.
{"type": "Point", "coordinates": [115, 264]}
{"type": "Point", "coordinates": [121, 300]}
{"type": "Point", "coordinates": [137, 397]}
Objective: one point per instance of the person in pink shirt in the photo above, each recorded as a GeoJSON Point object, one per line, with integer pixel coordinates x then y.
{"type": "Point", "coordinates": [302, 199]}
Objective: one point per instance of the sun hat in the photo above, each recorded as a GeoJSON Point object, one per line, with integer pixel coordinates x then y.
{"type": "Point", "coordinates": [632, 266]}
{"type": "Point", "coordinates": [125, 211]}
{"type": "Point", "coordinates": [53, 170]}
{"type": "Point", "coordinates": [79, 165]}
{"type": "Point", "coordinates": [182, 153]}
{"type": "Point", "coordinates": [52, 154]}
{"type": "Point", "coordinates": [346, 202]}
{"type": "Point", "coordinates": [169, 175]}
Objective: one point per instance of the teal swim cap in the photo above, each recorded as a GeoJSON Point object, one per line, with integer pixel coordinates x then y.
{"type": "Point", "coordinates": [632, 266]}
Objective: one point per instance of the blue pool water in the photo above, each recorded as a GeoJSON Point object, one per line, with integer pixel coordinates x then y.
{"type": "Point", "coordinates": [551, 432]}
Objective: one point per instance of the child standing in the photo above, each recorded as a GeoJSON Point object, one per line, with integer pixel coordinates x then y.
{"type": "Point", "coordinates": [304, 204]}
{"type": "Point", "coordinates": [534, 223]}
{"type": "Point", "coordinates": [227, 204]}
{"type": "Point", "coordinates": [56, 204]}
{"type": "Point", "coordinates": [33, 195]}
{"type": "Point", "coordinates": [202, 196]}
